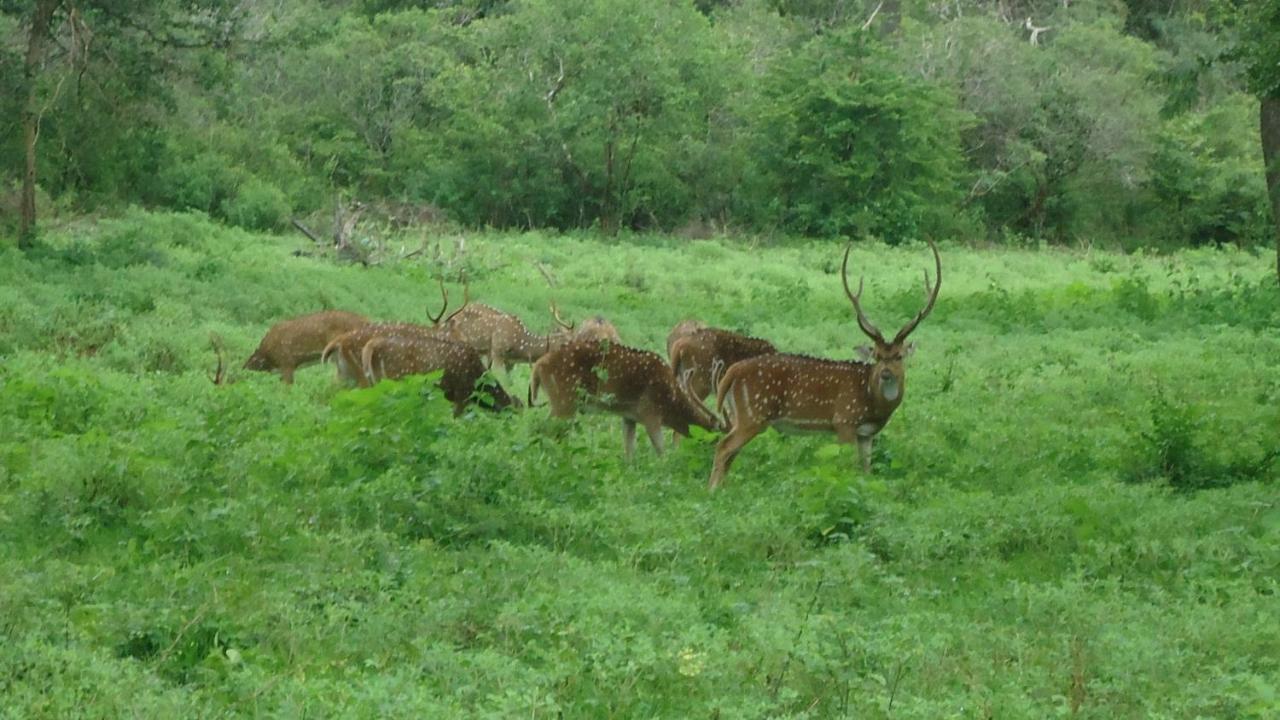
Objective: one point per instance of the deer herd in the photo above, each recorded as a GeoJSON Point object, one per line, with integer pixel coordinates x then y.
{"type": "Point", "coordinates": [754, 385]}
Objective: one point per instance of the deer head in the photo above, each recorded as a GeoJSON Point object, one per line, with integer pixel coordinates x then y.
{"type": "Point", "coordinates": [887, 359]}
{"type": "Point", "coordinates": [400, 353]}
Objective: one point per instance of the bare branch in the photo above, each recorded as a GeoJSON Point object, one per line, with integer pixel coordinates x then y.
{"type": "Point", "coordinates": [872, 18]}
{"type": "Point", "coordinates": [558, 85]}
{"type": "Point", "coordinates": [546, 273]}
{"type": "Point", "coordinates": [306, 231]}
{"type": "Point", "coordinates": [1035, 31]}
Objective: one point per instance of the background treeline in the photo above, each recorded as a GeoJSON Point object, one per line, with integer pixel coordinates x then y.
{"type": "Point", "coordinates": [1127, 122]}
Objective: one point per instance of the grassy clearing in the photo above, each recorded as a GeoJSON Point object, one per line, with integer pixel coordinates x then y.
{"type": "Point", "coordinates": [1074, 512]}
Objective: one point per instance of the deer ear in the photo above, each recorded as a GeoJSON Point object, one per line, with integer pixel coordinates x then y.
{"type": "Point", "coordinates": [908, 350]}
{"type": "Point", "coordinates": [864, 353]}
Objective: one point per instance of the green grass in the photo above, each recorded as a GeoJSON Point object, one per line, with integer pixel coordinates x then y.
{"type": "Point", "coordinates": [1074, 512]}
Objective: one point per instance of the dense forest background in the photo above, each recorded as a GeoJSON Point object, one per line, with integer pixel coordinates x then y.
{"type": "Point", "coordinates": [1133, 123]}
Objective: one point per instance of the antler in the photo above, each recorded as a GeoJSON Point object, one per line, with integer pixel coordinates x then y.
{"type": "Point", "coordinates": [219, 376]}
{"type": "Point", "coordinates": [466, 298]}
{"type": "Point", "coordinates": [555, 312]}
{"type": "Point", "coordinates": [682, 387]}
{"type": "Point", "coordinates": [435, 319]}
{"type": "Point", "coordinates": [871, 330]}
{"type": "Point", "coordinates": [931, 292]}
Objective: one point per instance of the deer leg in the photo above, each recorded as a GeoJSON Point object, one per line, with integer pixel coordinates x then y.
{"type": "Point", "coordinates": [864, 451]}
{"type": "Point", "coordinates": [846, 433]}
{"type": "Point", "coordinates": [286, 374]}
{"type": "Point", "coordinates": [495, 357]}
{"type": "Point", "coordinates": [628, 438]}
{"type": "Point", "coordinates": [350, 367]}
{"type": "Point", "coordinates": [728, 449]}
{"type": "Point", "coordinates": [655, 436]}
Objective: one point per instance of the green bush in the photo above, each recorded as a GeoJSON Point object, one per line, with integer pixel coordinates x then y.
{"type": "Point", "coordinates": [256, 205]}
{"type": "Point", "coordinates": [1207, 177]}
{"type": "Point", "coordinates": [200, 182]}
{"type": "Point", "coordinates": [853, 146]}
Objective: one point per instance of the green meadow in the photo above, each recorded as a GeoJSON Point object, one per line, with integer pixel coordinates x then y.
{"type": "Point", "coordinates": [1073, 514]}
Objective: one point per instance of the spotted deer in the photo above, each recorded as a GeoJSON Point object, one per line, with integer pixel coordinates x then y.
{"type": "Point", "coordinates": [505, 340]}
{"type": "Point", "coordinates": [345, 349]}
{"type": "Point", "coordinates": [853, 399]}
{"type": "Point", "coordinates": [293, 343]}
{"type": "Point", "coordinates": [395, 355]}
{"type": "Point", "coordinates": [613, 378]}
{"type": "Point", "coordinates": [701, 357]}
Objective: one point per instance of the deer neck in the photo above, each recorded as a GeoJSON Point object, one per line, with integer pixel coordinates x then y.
{"type": "Point", "coordinates": [884, 395]}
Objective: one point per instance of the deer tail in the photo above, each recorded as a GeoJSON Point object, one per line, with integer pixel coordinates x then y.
{"type": "Point", "coordinates": [328, 350]}
{"type": "Point", "coordinates": [366, 357]}
{"type": "Point", "coordinates": [722, 390]}
{"type": "Point", "coordinates": [677, 354]}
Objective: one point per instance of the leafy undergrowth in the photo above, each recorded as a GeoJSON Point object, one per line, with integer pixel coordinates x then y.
{"type": "Point", "coordinates": [1074, 513]}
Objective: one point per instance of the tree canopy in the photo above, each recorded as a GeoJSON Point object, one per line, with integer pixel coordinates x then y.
{"type": "Point", "coordinates": [1121, 123]}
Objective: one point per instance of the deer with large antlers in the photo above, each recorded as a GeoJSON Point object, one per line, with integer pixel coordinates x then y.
{"type": "Point", "coordinates": [396, 355]}
{"type": "Point", "coordinates": [852, 399]}
{"type": "Point", "coordinates": [635, 384]}
{"type": "Point", "coordinates": [505, 339]}
{"type": "Point", "coordinates": [700, 358]}
{"type": "Point", "coordinates": [299, 341]}
{"type": "Point", "coordinates": [345, 349]}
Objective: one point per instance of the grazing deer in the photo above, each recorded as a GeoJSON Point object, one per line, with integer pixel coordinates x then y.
{"type": "Point", "coordinates": [635, 384]}
{"type": "Point", "coordinates": [682, 329]}
{"type": "Point", "coordinates": [395, 355]}
{"type": "Point", "coordinates": [505, 340]}
{"type": "Point", "coordinates": [299, 341]}
{"type": "Point", "coordinates": [852, 399]}
{"type": "Point", "coordinates": [345, 349]}
{"type": "Point", "coordinates": [701, 357]}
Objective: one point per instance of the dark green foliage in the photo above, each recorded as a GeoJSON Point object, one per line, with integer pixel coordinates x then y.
{"type": "Point", "coordinates": [1176, 451]}
{"type": "Point", "coordinates": [1258, 23]}
{"type": "Point", "coordinates": [1205, 179]}
{"type": "Point", "coordinates": [590, 112]}
{"type": "Point", "coordinates": [256, 206]}
{"type": "Point", "coordinates": [1171, 443]}
{"type": "Point", "coordinates": [1124, 125]}
{"type": "Point", "coordinates": [855, 147]}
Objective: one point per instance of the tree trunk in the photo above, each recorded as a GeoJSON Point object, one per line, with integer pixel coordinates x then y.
{"type": "Point", "coordinates": [1270, 126]}
{"type": "Point", "coordinates": [41, 18]}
